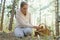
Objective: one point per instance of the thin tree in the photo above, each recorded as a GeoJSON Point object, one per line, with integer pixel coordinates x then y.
{"type": "Point", "coordinates": [12, 15]}
{"type": "Point", "coordinates": [2, 18]}
{"type": "Point", "coordinates": [57, 23]}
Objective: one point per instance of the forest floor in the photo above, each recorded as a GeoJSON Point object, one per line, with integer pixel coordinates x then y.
{"type": "Point", "coordinates": [10, 36]}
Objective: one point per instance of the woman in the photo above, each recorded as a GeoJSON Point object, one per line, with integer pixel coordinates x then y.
{"type": "Point", "coordinates": [23, 18]}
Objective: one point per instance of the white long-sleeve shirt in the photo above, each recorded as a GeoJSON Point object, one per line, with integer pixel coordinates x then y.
{"type": "Point", "coordinates": [23, 21]}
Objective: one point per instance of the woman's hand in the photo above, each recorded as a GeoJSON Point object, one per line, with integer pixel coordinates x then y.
{"type": "Point", "coordinates": [36, 27]}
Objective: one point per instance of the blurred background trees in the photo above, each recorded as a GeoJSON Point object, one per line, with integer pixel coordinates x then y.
{"type": "Point", "coordinates": [42, 11]}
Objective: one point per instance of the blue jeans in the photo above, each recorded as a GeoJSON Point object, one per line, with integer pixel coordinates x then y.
{"type": "Point", "coordinates": [20, 32]}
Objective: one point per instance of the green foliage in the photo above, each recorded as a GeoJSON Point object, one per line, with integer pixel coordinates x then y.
{"type": "Point", "coordinates": [10, 8]}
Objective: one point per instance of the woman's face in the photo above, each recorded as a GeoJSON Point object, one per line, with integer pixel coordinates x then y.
{"type": "Point", "coordinates": [24, 9]}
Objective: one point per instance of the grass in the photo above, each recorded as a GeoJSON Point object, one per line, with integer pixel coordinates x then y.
{"type": "Point", "coordinates": [6, 35]}
{"type": "Point", "coordinates": [10, 36]}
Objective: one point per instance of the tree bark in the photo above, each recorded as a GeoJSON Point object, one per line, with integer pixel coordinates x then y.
{"type": "Point", "coordinates": [57, 23]}
{"type": "Point", "coordinates": [2, 18]}
{"type": "Point", "coordinates": [12, 16]}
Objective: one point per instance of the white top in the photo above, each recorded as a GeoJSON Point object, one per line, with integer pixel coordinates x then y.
{"type": "Point", "coordinates": [23, 21]}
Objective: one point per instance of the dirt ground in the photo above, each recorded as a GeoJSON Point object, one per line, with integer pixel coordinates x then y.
{"type": "Point", "coordinates": [10, 36]}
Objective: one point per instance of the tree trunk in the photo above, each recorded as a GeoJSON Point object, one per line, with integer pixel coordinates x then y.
{"type": "Point", "coordinates": [12, 16]}
{"type": "Point", "coordinates": [2, 18]}
{"type": "Point", "coordinates": [57, 23]}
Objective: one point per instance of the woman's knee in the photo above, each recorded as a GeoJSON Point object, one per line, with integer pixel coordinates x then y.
{"type": "Point", "coordinates": [28, 31]}
{"type": "Point", "coordinates": [19, 33]}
